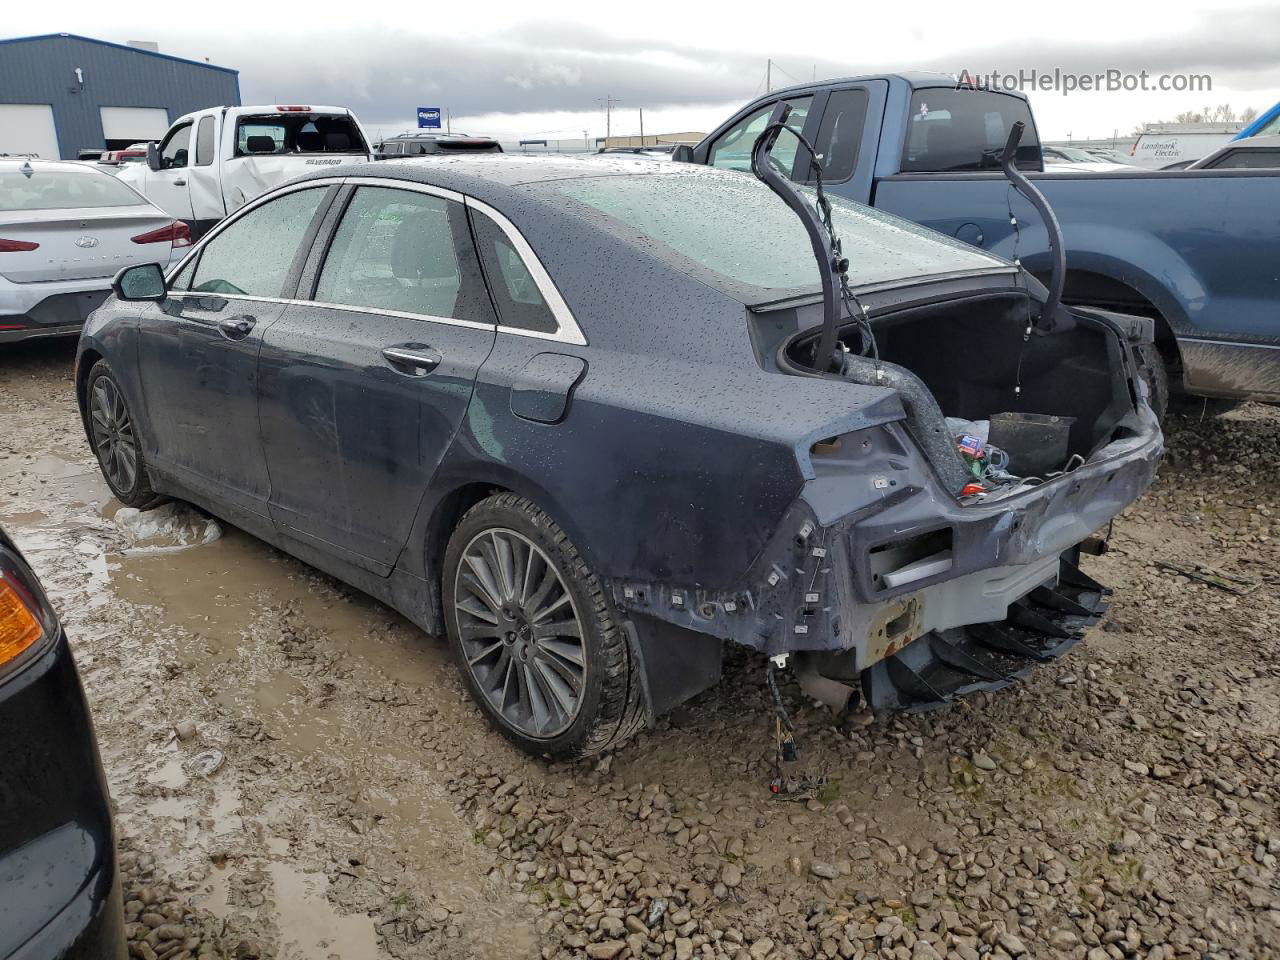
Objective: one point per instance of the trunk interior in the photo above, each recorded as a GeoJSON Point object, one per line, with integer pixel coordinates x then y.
{"type": "Point", "coordinates": [1045, 402]}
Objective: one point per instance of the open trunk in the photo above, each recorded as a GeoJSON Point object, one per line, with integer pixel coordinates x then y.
{"type": "Point", "coordinates": [1037, 404]}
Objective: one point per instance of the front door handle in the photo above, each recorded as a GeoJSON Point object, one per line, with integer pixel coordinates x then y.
{"type": "Point", "coordinates": [179, 183]}
{"type": "Point", "coordinates": [415, 361]}
{"type": "Point", "coordinates": [237, 328]}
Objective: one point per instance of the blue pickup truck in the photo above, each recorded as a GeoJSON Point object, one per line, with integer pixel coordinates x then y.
{"type": "Point", "coordinates": [1198, 251]}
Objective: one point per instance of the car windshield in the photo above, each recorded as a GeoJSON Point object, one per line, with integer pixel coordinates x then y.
{"type": "Point", "coordinates": [733, 232]}
{"type": "Point", "coordinates": [63, 190]}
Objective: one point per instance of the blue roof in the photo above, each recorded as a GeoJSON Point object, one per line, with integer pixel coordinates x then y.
{"type": "Point", "coordinates": [120, 46]}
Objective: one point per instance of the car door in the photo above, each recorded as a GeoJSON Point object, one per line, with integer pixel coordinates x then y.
{"type": "Point", "coordinates": [198, 349]}
{"type": "Point", "coordinates": [362, 389]}
{"type": "Point", "coordinates": [167, 187]}
{"type": "Point", "coordinates": [203, 180]}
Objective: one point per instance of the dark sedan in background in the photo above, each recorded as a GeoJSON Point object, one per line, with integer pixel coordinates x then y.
{"type": "Point", "coordinates": [59, 888]}
{"type": "Point", "coordinates": [566, 409]}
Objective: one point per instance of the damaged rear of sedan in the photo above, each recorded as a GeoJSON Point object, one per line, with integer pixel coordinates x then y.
{"type": "Point", "coordinates": [628, 454]}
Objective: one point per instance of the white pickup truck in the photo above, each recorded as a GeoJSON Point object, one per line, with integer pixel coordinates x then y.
{"type": "Point", "coordinates": [212, 162]}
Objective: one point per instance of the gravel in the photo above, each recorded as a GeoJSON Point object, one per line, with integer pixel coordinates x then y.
{"type": "Point", "coordinates": [1123, 803]}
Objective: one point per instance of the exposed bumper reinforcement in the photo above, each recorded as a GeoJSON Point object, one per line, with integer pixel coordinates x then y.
{"type": "Point", "coordinates": [945, 664]}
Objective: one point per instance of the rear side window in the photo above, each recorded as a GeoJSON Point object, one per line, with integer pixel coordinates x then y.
{"type": "Point", "coordinates": [841, 134]}
{"type": "Point", "coordinates": [404, 251]}
{"type": "Point", "coordinates": [732, 149]}
{"type": "Point", "coordinates": [519, 301]}
{"type": "Point", "coordinates": [56, 189]}
{"type": "Point", "coordinates": [1247, 160]}
{"type": "Point", "coordinates": [253, 255]}
{"type": "Point", "coordinates": [204, 142]}
{"type": "Point", "coordinates": [956, 130]}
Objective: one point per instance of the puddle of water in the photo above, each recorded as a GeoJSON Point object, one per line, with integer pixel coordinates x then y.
{"type": "Point", "coordinates": [309, 927]}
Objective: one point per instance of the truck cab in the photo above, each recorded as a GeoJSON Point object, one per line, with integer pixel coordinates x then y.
{"type": "Point", "coordinates": [210, 163]}
{"type": "Point", "coordinates": [1193, 250]}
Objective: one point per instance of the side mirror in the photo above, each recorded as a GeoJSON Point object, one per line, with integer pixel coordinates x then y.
{"type": "Point", "coordinates": [153, 155]}
{"type": "Point", "coordinates": [683, 153]}
{"type": "Point", "coordinates": [143, 281]}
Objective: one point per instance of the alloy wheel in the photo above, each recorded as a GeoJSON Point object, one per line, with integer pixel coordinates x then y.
{"type": "Point", "coordinates": [113, 436]}
{"type": "Point", "coordinates": [520, 632]}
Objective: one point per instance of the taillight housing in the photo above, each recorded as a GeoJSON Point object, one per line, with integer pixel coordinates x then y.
{"type": "Point", "coordinates": [292, 108]}
{"type": "Point", "coordinates": [17, 246]}
{"type": "Point", "coordinates": [27, 622]}
{"type": "Point", "coordinates": [177, 234]}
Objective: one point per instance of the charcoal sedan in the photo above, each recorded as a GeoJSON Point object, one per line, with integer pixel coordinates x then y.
{"type": "Point", "coordinates": [565, 410]}
{"type": "Point", "coordinates": [59, 888]}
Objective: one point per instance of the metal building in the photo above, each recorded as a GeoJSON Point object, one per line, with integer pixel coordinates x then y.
{"type": "Point", "coordinates": [61, 93]}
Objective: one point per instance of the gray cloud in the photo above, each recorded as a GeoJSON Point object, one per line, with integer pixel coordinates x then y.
{"type": "Point", "coordinates": [549, 66]}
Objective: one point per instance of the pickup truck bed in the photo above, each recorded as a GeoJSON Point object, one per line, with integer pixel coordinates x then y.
{"type": "Point", "coordinates": [1196, 250]}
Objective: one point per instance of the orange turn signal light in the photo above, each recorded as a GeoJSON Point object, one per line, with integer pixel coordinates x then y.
{"type": "Point", "coordinates": [19, 627]}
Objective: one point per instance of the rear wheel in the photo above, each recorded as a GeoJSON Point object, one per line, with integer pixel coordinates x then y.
{"type": "Point", "coordinates": [115, 440]}
{"type": "Point", "coordinates": [539, 645]}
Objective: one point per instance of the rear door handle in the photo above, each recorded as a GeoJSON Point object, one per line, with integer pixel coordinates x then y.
{"type": "Point", "coordinates": [415, 361]}
{"type": "Point", "coordinates": [179, 183]}
{"type": "Point", "coordinates": [237, 328]}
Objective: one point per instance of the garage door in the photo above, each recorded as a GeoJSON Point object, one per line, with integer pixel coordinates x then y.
{"type": "Point", "coordinates": [134, 124]}
{"type": "Point", "coordinates": [28, 128]}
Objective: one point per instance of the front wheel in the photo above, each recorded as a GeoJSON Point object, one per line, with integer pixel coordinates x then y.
{"type": "Point", "coordinates": [540, 647]}
{"type": "Point", "coordinates": [114, 437]}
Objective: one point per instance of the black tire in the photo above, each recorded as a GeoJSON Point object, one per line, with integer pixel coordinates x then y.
{"type": "Point", "coordinates": [607, 708]}
{"type": "Point", "coordinates": [1155, 374]}
{"type": "Point", "coordinates": [110, 431]}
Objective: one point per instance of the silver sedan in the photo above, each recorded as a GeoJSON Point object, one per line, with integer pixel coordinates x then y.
{"type": "Point", "coordinates": [65, 230]}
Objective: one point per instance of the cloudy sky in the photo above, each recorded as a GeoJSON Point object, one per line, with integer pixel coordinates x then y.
{"type": "Point", "coordinates": [502, 70]}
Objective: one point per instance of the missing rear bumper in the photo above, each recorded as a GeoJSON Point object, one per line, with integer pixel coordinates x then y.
{"type": "Point", "coordinates": [943, 665]}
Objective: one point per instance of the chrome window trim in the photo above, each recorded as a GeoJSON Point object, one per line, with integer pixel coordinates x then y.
{"type": "Point", "coordinates": [567, 329]}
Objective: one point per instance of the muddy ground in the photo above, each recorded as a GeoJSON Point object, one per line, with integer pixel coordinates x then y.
{"type": "Point", "coordinates": [1121, 803]}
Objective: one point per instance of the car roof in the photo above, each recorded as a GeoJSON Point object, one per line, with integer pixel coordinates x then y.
{"type": "Point", "coordinates": [1256, 143]}
{"type": "Point", "coordinates": [498, 177]}
{"type": "Point", "coordinates": [68, 166]}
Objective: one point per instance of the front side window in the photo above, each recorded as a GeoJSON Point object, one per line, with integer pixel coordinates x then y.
{"type": "Point", "coordinates": [516, 293]}
{"type": "Point", "coordinates": [956, 130]}
{"type": "Point", "coordinates": [732, 149]}
{"type": "Point", "coordinates": [204, 142]}
{"type": "Point", "coordinates": [173, 152]}
{"type": "Point", "coordinates": [252, 256]}
{"type": "Point", "coordinates": [407, 252]}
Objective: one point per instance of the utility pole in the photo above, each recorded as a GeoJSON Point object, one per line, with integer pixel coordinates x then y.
{"type": "Point", "coordinates": [448, 121]}
{"type": "Point", "coordinates": [642, 126]}
{"type": "Point", "coordinates": [768, 76]}
{"type": "Point", "coordinates": [609, 103]}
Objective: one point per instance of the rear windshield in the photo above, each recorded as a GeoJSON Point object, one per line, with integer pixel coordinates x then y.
{"type": "Point", "coordinates": [733, 232]}
{"type": "Point", "coordinates": [954, 130]}
{"type": "Point", "coordinates": [297, 133]}
{"type": "Point", "coordinates": [62, 190]}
